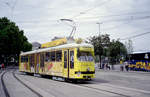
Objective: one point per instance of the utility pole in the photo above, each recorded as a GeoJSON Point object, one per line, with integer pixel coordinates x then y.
{"type": "Point", "coordinates": [100, 65]}
{"type": "Point", "coordinates": [12, 7]}
{"type": "Point", "coordinates": [99, 23]}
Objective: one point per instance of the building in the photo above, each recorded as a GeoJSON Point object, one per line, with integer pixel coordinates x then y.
{"type": "Point", "coordinates": [36, 45]}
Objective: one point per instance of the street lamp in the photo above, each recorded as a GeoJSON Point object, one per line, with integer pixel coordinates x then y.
{"type": "Point", "coordinates": [99, 23]}
{"type": "Point", "coordinates": [66, 20]}
{"type": "Point", "coordinates": [73, 26]}
{"type": "Point", "coordinates": [11, 8]}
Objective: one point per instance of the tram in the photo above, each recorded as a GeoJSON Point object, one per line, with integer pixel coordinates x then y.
{"type": "Point", "coordinates": [140, 61]}
{"type": "Point", "coordinates": [67, 61]}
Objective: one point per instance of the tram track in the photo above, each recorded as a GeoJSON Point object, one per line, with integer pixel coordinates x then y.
{"type": "Point", "coordinates": [28, 84]}
{"type": "Point", "coordinates": [101, 90]}
{"type": "Point", "coordinates": [119, 94]}
{"type": "Point", "coordinates": [6, 92]}
{"type": "Point", "coordinates": [39, 95]}
{"type": "Point", "coordinates": [0, 71]}
{"type": "Point", "coordinates": [45, 92]}
{"type": "Point", "coordinates": [4, 86]}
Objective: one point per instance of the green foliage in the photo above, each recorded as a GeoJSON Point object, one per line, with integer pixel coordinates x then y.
{"type": "Point", "coordinates": [106, 48]}
{"type": "Point", "coordinates": [12, 39]}
{"type": "Point", "coordinates": [100, 44]}
{"type": "Point", "coordinates": [116, 50]}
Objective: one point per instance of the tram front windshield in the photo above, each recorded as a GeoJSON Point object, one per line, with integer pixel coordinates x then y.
{"type": "Point", "coordinates": [85, 56]}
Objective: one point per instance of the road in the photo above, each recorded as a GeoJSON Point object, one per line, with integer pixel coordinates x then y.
{"type": "Point", "coordinates": [106, 84]}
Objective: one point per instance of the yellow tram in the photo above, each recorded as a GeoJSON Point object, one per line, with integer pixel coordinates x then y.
{"type": "Point", "coordinates": [68, 61]}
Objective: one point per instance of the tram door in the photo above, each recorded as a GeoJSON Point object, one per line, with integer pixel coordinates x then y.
{"type": "Point", "coordinates": [71, 63]}
{"type": "Point", "coordinates": [37, 62]}
{"type": "Point", "coordinates": [32, 62]}
{"type": "Point", "coordinates": [68, 63]}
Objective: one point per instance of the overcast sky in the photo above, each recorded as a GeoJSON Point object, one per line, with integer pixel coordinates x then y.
{"type": "Point", "coordinates": [40, 19]}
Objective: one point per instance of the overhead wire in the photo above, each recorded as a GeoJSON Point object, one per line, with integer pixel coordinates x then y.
{"type": "Point", "coordinates": [117, 26]}
{"type": "Point", "coordinates": [135, 36]}
{"type": "Point", "coordinates": [84, 12]}
{"type": "Point", "coordinates": [122, 14]}
{"type": "Point", "coordinates": [90, 10]}
{"type": "Point", "coordinates": [125, 19]}
{"type": "Point", "coordinates": [136, 18]}
{"type": "Point", "coordinates": [128, 21]}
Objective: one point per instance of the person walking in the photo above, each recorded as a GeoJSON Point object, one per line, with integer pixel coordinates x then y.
{"type": "Point", "coordinates": [3, 66]}
{"type": "Point", "coordinates": [107, 66]}
{"type": "Point", "coordinates": [126, 66]}
{"type": "Point", "coordinates": [121, 66]}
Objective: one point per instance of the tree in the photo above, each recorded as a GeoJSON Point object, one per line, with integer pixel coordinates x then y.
{"type": "Point", "coordinates": [129, 47]}
{"type": "Point", "coordinates": [116, 51]}
{"type": "Point", "coordinates": [12, 40]}
{"type": "Point", "coordinates": [100, 44]}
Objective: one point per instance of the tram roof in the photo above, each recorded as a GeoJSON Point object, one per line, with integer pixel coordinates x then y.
{"type": "Point", "coordinates": [70, 45]}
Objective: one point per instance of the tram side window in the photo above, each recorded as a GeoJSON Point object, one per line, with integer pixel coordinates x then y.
{"type": "Point", "coordinates": [71, 59]}
{"type": "Point", "coordinates": [47, 57]}
{"type": "Point", "coordinates": [58, 56]}
{"type": "Point", "coordinates": [24, 58]}
{"type": "Point", "coordinates": [42, 59]}
{"type": "Point", "coordinates": [32, 60]}
{"type": "Point", "coordinates": [65, 59]}
{"type": "Point", "coordinates": [52, 58]}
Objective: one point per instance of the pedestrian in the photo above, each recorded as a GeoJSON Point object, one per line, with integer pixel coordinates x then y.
{"type": "Point", "coordinates": [121, 66]}
{"type": "Point", "coordinates": [3, 66]}
{"type": "Point", "coordinates": [107, 67]}
{"type": "Point", "coordinates": [37, 68]}
{"type": "Point", "coordinates": [126, 66]}
{"type": "Point", "coordinates": [103, 66]}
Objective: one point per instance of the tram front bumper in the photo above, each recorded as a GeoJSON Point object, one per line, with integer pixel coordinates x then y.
{"type": "Point", "coordinates": [84, 76]}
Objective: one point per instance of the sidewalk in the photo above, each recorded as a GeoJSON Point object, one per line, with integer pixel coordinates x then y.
{"type": "Point", "coordinates": [117, 69]}
{"type": "Point", "coordinates": [104, 70]}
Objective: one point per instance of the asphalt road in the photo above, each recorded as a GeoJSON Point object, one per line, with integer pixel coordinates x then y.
{"type": "Point", "coordinates": [106, 84]}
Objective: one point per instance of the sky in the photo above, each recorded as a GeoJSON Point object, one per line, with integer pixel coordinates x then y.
{"type": "Point", "coordinates": [121, 19]}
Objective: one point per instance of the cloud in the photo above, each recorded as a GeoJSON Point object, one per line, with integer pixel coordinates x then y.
{"type": "Point", "coordinates": [40, 18]}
